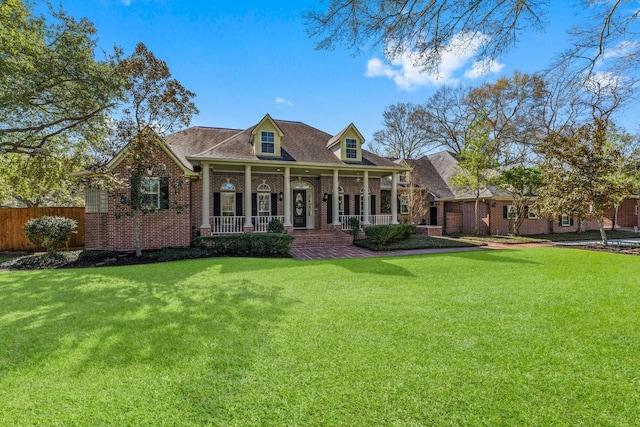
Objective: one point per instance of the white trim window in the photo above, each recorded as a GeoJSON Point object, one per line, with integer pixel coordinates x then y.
{"type": "Point", "coordinates": [264, 199]}
{"type": "Point", "coordinates": [228, 199]}
{"type": "Point", "coordinates": [351, 148]}
{"type": "Point", "coordinates": [512, 212]}
{"type": "Point", "coordinates": [404, 203]}
{"type": "Point", "coordinates": [340, 201]}
{"type": "Point", "coordinates": [267, 142]}
{"type": "Point", "coordinates": [95, 200]}
{"type": "Point", "coordinates": [150, 193]}
{"type": "Point", "coordinates": [565, 221]}
{"type": "Point", "coordinates": [531, 214]}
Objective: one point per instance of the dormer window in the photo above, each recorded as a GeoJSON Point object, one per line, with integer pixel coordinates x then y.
{"type": "Point", "coordinates": [267, 142]}
{"type": "Point", "coordinates": [351, 148]}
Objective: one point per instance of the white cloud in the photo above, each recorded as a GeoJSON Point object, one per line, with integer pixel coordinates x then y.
{"type": "Point", "coordinates": [408, 76]}
{"type": "Point", "coordinates": [281, 101]}
{"type": "Point", "coordinates": [624, 48]}
{"type": "Point", "coordinates": [484, 67]}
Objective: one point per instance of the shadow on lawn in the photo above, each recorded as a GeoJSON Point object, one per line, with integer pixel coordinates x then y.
{"type": "Point", "coordinates": [99, 319]}
{"type": "Point", "coordinates": [492, 255]}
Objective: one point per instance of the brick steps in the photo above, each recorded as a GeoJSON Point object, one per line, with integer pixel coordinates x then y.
{"type": "Point", "coordinates": [319, 239]}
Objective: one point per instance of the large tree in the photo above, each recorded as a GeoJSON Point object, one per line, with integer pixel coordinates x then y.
{"type": "Point", "coordinates": [522, 184]}
{"type": "Point", "coordinates": [31, 181]}
{"type": "Point", "coordinates": [513, 107]}
{"type": "Point", "coordinates": [53, 92]}
{"type": "Point", "coordinates": [580, 175]}
{"type": "Point", "coordinates": [403, 136]}
{"type": "Point", "coordinates": [476, 164]}
{"type": "Point", "coordinates": [156, 105]}
{"type": "Point", "coordinates": [426, 29]}
{"type": "Point", "coordinates": [446, 118]}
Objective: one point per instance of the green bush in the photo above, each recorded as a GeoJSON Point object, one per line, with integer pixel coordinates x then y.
{"type": "Point", "coordinates": [50, 232]}
{"type": "Point", "coordinates": [354, 226]}
{"type": "Point", "coordinates": [275, 226]}
{"type": "Point", "coordinates": [249, 244]}
{"type": "Point", "coordinates": [381, 235]}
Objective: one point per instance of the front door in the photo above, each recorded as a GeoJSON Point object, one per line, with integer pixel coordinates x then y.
{"type": "Point", "coordinates": [300, 208]}
{"type": "Point", "coordinates": [433, 215]}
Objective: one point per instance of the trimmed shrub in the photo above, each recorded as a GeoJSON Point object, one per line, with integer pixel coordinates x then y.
{"type": "Point", "coordinates": [50, 232]}
{"type": "Point", "coordinates": [354, 226]}
{"type": "Point", "coordinates": [380, 235]}
{"type": "Point", "coordinates": [249, 244]}
{"type": "Point", "coordinates": [275, 226]}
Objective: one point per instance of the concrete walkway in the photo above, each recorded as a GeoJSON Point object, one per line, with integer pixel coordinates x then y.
{"type": "Point", "coordinates": [631, 242]}
{"type": "Point", "coordinates": [337, 252]}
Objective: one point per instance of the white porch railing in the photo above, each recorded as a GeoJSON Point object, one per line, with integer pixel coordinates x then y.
{"type": "Point", "coordinates": [261, 223]}
{"type": "Point", "coordinates": [227, 224]}
{"type": "Point", "coordinates": [373, 219]}
{"type": "Point", "coordinates": [380, 219]}
{"type": "Point", "coordinates": [235, 224]}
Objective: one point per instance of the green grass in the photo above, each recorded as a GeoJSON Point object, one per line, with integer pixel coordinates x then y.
{"type": "Point", "coordinates": [417, 241]}
{"type": "Point", "coordinates": [538, 336]}
{"type": "Point", "coordinates": [555, 237]}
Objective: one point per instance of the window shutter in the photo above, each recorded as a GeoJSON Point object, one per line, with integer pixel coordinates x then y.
{"type": "Point", "coordinates": [357, 209]}
{"type": "Point", "coordinates": [254, 204]}
{"type": "Point", "coordinates": [345, 209]}
{"type": "Point", "coordinates": [398, 208]}
{"type": "Point", "coordinates": [505, 212]}
{"type": "Point", "coordinates": [329, 209]}
{"type": "Point", "coordinates": [571, 221]}
{"type": "Point", "coordinates": [274, 204]}
{"type": "Point", "coordinates": [526, 212]}
{"type": "Point", "coordinates": [373, 204]}
{"type": "Point", "coordinates": [216, 204]}
{"type": "Point", "coordinates": [560, 220]}
{"type": "Point", "coordinates": [238, 204]}
{"type": "Point", "coordinates": [164, 193]}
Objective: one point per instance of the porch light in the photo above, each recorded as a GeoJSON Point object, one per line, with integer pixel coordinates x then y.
{"type": "Point", "coordinates": [280, 196]}
{"type": "Point", "coordinates": [325, 197]}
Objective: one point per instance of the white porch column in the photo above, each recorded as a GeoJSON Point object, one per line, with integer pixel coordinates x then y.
{"type": "Point", "coordinates": [366, 200]}
{"type": "Point", "coordinates": [335, 199]}
{"type": "Point", "coordinates": [247, 196]}
{"type": "Point", "coordinates": [287, 197]}
{"type": "Point", "coordinates": [206, 192]}
{"type": "Point", "coordinates": [394, 198]}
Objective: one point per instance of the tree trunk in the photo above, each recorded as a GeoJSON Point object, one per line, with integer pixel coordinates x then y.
{"type": "Point", "coordinates": [603, 234]}
{"type": "Point", "coordinates": [477, 231]}
{"type": "Point", "coordinates": [615, 217]}
{"type": "Point", "coordinates": [136, 231]}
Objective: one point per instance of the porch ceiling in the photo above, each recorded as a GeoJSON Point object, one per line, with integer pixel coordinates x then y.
{"type": "Point", "coordinates": [296, 170]}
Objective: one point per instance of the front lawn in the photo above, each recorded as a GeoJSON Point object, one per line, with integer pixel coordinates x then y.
{"type": "Point", "coordinates": [418, 241]}
{"type": "Point", "coordinates": [538, 336]}
{"type": "Point", "coordinates": [554, 237]}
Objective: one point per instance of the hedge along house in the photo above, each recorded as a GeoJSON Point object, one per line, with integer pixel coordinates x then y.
{"type": "Point", "coordinates": [446, 206]}
{"type": "Point", "coordinates": [209, 181]}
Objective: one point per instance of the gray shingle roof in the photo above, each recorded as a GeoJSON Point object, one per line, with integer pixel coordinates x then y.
{"type": "Point", "coordinates": [300, 143]}
{"type": "Point", "coordinates": [434, 173]}
{"type": "Point", "coordinates": [195, 139]}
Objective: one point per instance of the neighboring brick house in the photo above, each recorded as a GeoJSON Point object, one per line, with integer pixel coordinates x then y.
{"type": "Point", "coordinates": [215, 181]}
{"type": "Point", "coordinates": [454, 211]}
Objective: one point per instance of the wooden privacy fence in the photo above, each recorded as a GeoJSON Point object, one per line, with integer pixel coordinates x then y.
{"type": "Point", "coordinates": [13, 238]}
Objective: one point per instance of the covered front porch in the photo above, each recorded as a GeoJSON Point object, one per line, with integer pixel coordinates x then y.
{"type": "Point", "coordinates": [242, 198]}
{"type": "Point", "coordinates": [260, 224]}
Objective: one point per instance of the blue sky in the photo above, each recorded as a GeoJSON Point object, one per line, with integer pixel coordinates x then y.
{"type": "Point", "coordinates": [244, 59]}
